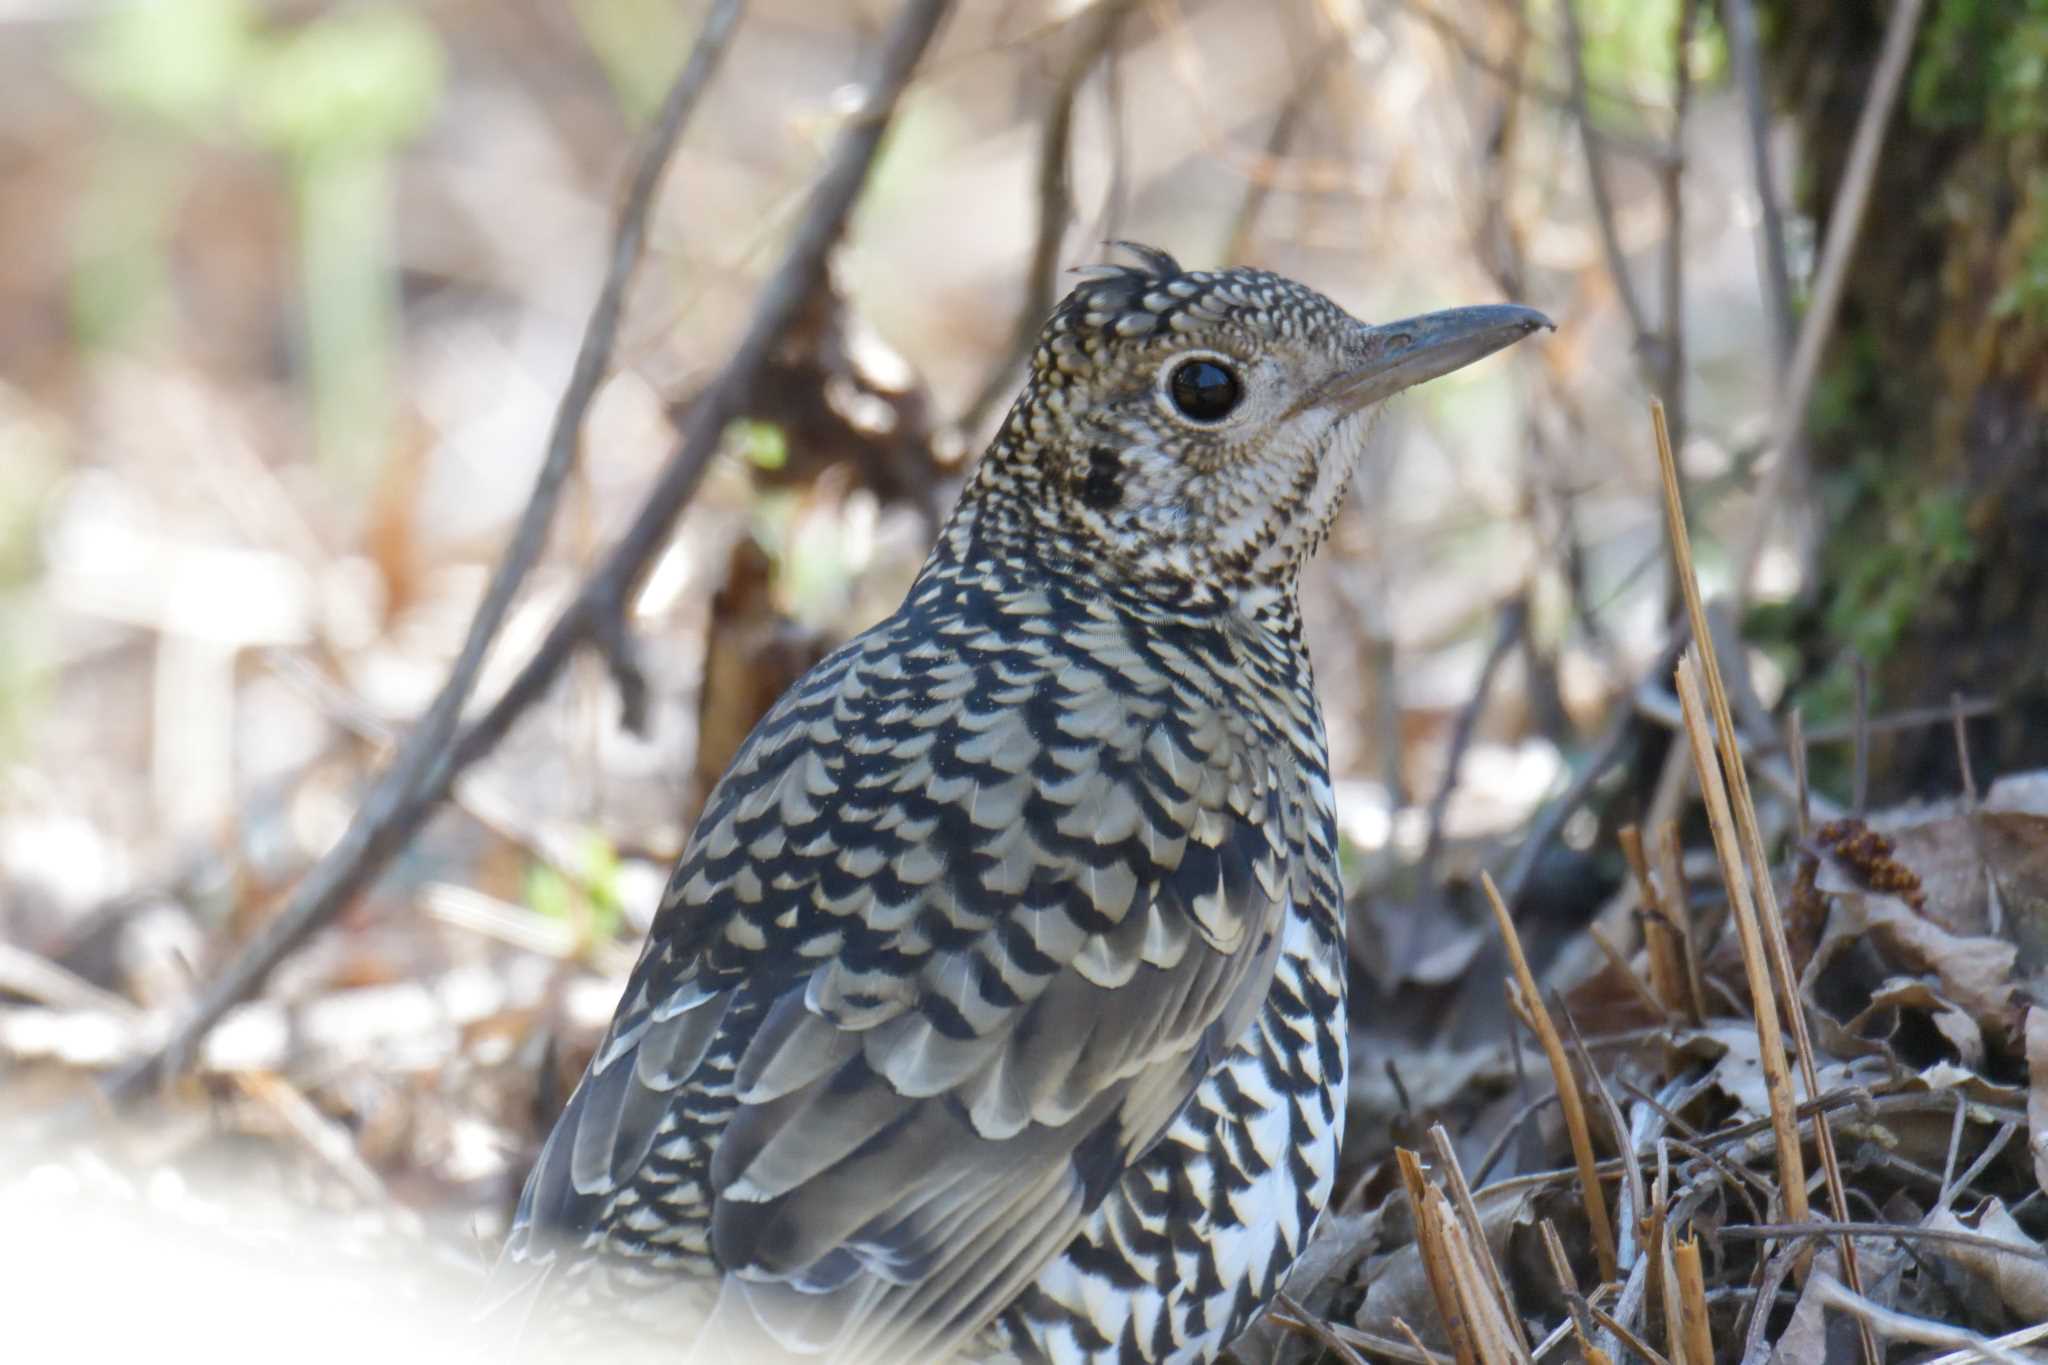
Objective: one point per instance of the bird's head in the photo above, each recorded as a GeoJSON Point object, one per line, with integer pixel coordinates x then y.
{"type": "Point", "coordinates": [1197, 429]}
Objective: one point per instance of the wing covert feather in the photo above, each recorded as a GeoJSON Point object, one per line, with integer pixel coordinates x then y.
{"type": "Point", "coordinates": [903, 1051]}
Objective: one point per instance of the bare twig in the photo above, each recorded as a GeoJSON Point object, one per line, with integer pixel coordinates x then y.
{"type": "Point", "coordinates": [604, 597]}
{"type": "Point", "coordinates": [1596, 179]}
{"type": "Point", "coordinates": [1514, 619]}
{"type": "Point", "coordinates": [1237, 243]}
{"type": "Point", "coordinates": [1970, 1355]}
{"type": "Point", "coordinates": [1294, 1318]}
{"type": "Point", "coordinates": [1896, 1326]}
{"type": "Point", "coordinates": [1955, 706]}
{"type": "Point", "coordinates": [1692, 1298]}
{"type": "Point", "coordinates": [1606, 751]}
{"type": "Point", "coordinates": [1751, 857]}
{"type": "Point", "coordinates": [1475, 1231]}
{"type": "Point", "coordinates": [383, 823]}
{"type": "Point", "coordinates": [1431, 1213]}
{"type": "Point", "coordinates": [1859, 788]}
{"type": "Point", "coordinates": [1740, 17]}
{"type": "Point", "coordinates": [1671, 176]}
{"type": "Point", "coordinates": [1509, 71]}
{"type": "Point", "coordinates": [1055, 206]}
{"type": "Point", "coordinates": [1522, 991]}
{"type": "Point", "coordinates": [1901, 1232]}
{"type": "Point", "coordinates": [1785, 481]}
{"type": "Point", "coordinates": [1297, 1318]}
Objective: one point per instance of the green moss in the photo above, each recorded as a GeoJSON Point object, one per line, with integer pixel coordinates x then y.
{"type": "Point", "coordinates": [1983, 63]}
{"type": "Point", "coordinates": [1881, 589]}
{"type": "Point", "coordinates": [2025, 295]}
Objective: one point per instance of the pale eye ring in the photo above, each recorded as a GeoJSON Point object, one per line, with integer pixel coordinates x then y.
{"type": "Point", "coordinates": [1203, 388]}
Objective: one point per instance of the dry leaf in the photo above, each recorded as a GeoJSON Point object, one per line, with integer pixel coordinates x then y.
{"type": "Point", "coordinates": [1974, 971]}
{"type": "Point", "coordinates": [1738, 1069]}
{"type": "Point", "coordinates": [2021, 1284]}
{"type": "Point", "coordinates": [2037, 1092]}
{"type": "Point", "coordinates": [1949, 1020]}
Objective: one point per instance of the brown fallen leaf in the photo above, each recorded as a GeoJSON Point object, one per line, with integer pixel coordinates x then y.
{"type": "Point", "coordinates": [1975, 971]}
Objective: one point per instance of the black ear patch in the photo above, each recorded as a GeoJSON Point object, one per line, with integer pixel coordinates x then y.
{"type": "Point", "coordinates": [1102, 487]}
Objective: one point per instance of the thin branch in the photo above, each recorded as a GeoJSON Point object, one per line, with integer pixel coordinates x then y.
{"type": "Point", "coordinates": [1740, 18]}
{"type": "Point", "coordinates": [1893, 1325]}
{"type": "Point", "coordinates": [1786, 480]}
{"type": "Point", "coordinates": [1671, 357]}
{"type": "Point", "coordinates": [1510, 72]}
{"type": "Point", "coordinates": [1514, 619]}
{"type": "Point", "coordinates": [604, 597]}
{"type": "Point", "coordinates": [1055, 207]}
{"type": "Point", "coordinates": [384, 823]}
{"type": "Point", "coordinates": [1237, 244]}
{"type": "Point", "coordinates": [1606, 751]}
{"type": "Point", "coordinates": [1596, 179]}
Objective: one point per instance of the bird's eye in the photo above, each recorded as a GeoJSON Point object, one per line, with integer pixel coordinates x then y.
{"type": "Point", "coordinates": [1203, 390]}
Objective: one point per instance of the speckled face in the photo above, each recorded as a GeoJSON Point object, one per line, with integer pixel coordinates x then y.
{"type": "Point", "coordinates": [1203, 425]}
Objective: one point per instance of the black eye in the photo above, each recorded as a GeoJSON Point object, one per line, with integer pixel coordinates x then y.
{"type": "Point", "coordinates": [1203, 390]}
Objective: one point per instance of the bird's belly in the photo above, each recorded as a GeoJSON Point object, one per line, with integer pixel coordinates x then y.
{"type": "Point", "coordinates": [1198, 1237]}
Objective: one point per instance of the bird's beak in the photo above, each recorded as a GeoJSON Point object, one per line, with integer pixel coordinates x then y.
{"type": "Point", "coordinates": [1400, 355]}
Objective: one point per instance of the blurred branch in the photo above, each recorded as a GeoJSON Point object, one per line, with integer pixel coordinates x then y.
{"type": "Point", "coordinates": [1512, 72]}
{"type": "Point", "coordinates": [1285, 124]}
{"type": "Point", "coordinates": [1786, 479]}
{"type": "Point", "coordinates": [596, 614]}
{"type": "Point", "coordinates": [1740, 18]}
{"type": "Point", "coordinates": [1596, 179]}
{"type": "Point", "coordinates": [1671, 177]}
{"type": "Point", "coordinates": [1512, 622]}
{"type": "Point", "coordinates": [1116, 200]}
{"type": "Point", "coordinates": [1055, 206]}
{"type": "Point", "coordinates": [1606, 751]}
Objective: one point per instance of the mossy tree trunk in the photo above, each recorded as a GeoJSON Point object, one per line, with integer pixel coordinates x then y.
{"type": "Point", "coordinates": [1929, 431]}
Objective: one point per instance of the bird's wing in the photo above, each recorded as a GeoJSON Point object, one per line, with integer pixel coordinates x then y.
{"type": "Point", "coordinates": [958, 937]}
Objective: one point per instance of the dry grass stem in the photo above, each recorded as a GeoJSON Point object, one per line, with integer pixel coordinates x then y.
{"type": "Point", "coordinates": [1431, 1215]}
{"type": "Point", "coordinates": [1528, 1002]}
{"type": "Point", "coordinates": [1670, 880]}
{"type": "Point", "coordinates": [1415, 1342]}
{"type": "Point", "coordinates": [1630, 977]}
{"type": "Point", "coordinates": [1581, 1316]}
{"type": "Point", "coordinates": [1408, 1350]}
{"type": "Point", "coordinates": [1661, 942]}
{"type": "Point", "coordinates": [1628, 1338]}
{"type": "Point", "coordinates": [1693, 1328]}
{"type": "Point", "coordinates": [1475, 1234]}
{"type": "Point", "coordinates": [1770, 1038]}
{"type": "Point", "coordinates": [1485, 1316]}
{"type": "Point", "coordinates": [1771, 922]}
